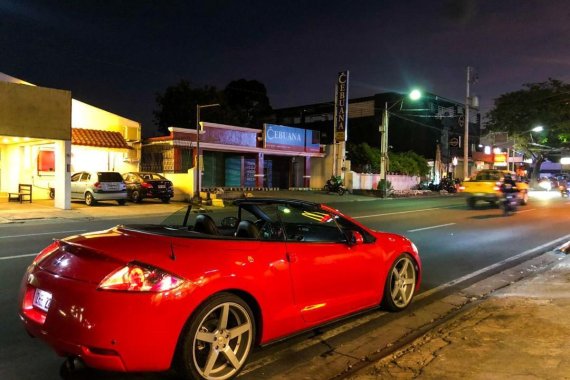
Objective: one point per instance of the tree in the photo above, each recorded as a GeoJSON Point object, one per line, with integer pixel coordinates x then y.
{"type": "Point", "coordinates": [177, 105]}
{"type": "Point", "coordinates": [547, 104]}
{"type": "Point", "coordinates": [365, 159]}
{"type": "Point", "coordinates": [408, 163]}
{"type": "Point", "coordinates": [247, 102]}
{"type": "Point", "coordinates": [243, 102]}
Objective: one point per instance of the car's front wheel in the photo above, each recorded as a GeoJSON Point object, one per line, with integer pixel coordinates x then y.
{"type": "Point", "coordinates": [218, 339]}
{"type": "Point", "coordinates": [400, 283]}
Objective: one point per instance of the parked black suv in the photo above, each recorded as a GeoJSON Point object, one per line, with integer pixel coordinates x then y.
{"type": "Point", "coordinates": [141, 185]}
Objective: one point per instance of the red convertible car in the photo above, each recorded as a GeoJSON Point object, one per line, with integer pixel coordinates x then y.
{"type": "Point", "coordinates": [199, 291]}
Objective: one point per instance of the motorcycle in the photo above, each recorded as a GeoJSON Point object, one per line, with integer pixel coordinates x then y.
{"type": "Point", "coordinates": [335, 185]}
{"type": "Point", "coordinates": [510, 203]}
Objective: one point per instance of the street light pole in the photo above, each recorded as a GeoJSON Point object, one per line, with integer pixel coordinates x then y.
{"type": "Point", "coordinates": [198, 168]}
{"type": "Point", "coordinates": [384, 151]}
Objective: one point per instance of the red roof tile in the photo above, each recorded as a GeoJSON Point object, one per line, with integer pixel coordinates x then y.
{"type": "Point", "coordinates": [93, 137]}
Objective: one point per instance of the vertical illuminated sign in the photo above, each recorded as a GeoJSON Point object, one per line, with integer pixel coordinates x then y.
{"type": "Point", "coordinates": [341, 107]}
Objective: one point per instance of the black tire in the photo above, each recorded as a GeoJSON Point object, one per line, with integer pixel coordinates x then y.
{"type": "Point", "coordinates": [341, 191]}
{"type": "Point", "coordinates": [471, 203]}
{"type": "Point", "coordinates": [121, 202]}
{"type": "Point", "coordinates": [400, 284]}
{"type": "Point", "coordinates": [212, 348]}
{"type": "Point", "coordinates": [135, 196]}
{"type": "Point", "coordinates": [89, 200]}
{"type": "Point", "coordinates": [165, 200]}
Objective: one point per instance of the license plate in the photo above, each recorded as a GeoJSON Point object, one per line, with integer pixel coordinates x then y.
{"type": "Point", "coordinates": [42, 299]}
{"type": "Point", "coordinates": [162, 186]}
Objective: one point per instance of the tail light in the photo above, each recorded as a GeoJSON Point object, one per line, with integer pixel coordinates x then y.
{"type": "Point", "coordinates": [146, 185]}
{"type": "Point", "coordinates": [137, 277]}
{"type": "Point", "coordinates": [97, 185]}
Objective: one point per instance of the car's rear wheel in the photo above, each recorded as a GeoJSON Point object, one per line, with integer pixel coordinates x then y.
{"type": "Point", "coordinates": [89, 200]}
{"type": "Point", "coordinates": [400, 283]}
{"type": "Point", "coordinates": [218, 339]}
{"type": "Point", "coordinates": [471, 202]}
{"type": "Point", "coordinates": [165, 200]}
{"type": "Point", "coordinates": [121, 202]}
{"type": "Point", "coordinates": [135, 196]}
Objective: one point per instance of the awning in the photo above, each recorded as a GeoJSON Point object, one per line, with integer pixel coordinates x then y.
{"type": "Point", "coordinates": [97, 138]}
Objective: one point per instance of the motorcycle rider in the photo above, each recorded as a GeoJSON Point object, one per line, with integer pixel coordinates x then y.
{"type": "Point", "coordinates": [508, 188]}
{"type": "Point", "coordinates": [509, 185]}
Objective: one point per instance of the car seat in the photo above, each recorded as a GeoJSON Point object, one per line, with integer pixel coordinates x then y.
{"type": "Point", "coordinates": [206, 225]}
{"type": "Point", "coordinates": [247, 229]}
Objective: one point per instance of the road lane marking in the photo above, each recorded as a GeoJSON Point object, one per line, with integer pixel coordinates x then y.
{"type": "Point", "coordinates": [431, 227]}
{"type": "Point", "coordinates": [525, 210]}
{"type": "Point", "coordinates": [18, 256]}
{"type": "Point", "coordinates": [41, 233]}
{"type": "Point", "coordinates": [490, 267]}
{"type": "Point", "coordinates": [397, 213]}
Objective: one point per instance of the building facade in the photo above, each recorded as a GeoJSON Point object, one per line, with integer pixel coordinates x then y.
{"type": "Point", "coordinates": [45, 135]}
{"type": "Point", "coordinates": [235, 157]}
{"type": "Point", "coordinates": [431, 126]}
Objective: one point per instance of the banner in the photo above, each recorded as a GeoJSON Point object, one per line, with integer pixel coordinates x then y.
{"type": "Point", "coordinates": [341, 107]}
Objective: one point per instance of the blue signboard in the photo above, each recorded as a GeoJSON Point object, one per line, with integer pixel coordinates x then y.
{"type": "Point", "coordinates": [282, 137]}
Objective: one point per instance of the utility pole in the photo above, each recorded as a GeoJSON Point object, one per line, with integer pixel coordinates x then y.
{"type": "Point", "coordinates": [466, 131]}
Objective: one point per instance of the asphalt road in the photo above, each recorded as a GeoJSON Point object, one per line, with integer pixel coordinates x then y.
{"type": "Point", "coordinates": [456, 245]}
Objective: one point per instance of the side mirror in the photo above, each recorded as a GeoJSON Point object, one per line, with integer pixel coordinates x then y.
{"type": "Point", "coordinates": [355, 238]}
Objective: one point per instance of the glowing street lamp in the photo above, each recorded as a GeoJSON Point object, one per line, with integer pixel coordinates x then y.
{"type": "Point", "coordinates": [538, 128]}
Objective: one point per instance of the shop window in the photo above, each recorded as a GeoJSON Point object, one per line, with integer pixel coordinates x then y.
{"type": "Point", "coordinates": [46, 162]}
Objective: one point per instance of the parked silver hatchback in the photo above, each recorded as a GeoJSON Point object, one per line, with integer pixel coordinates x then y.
{"type": "Point", "coordinates": [93, 187]}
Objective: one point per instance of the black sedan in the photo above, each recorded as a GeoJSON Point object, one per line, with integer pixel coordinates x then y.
{"type": "Point", "coordinates": [141, 185]}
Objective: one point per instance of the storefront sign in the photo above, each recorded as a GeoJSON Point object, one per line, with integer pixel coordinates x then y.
{"type": "Point", "coordinates": [312, 139]}
{"type": "Point", "coordinates": [284, 138]}
{"type": "Point", "coordinates": [341, 107]}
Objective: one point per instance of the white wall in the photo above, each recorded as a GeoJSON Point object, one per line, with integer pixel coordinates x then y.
{"type": "Point", "coordinates": [370, 181]}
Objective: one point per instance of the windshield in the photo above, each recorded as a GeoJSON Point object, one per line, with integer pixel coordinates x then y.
{"type": "Point", "coordinates": [279, 221]}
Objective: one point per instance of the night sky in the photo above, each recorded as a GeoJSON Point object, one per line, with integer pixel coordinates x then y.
{"type": "Point", "coordinates": [117, 55]}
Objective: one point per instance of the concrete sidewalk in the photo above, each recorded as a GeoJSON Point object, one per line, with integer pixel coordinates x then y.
{"type": "Point", "coordinates": [521, 331]}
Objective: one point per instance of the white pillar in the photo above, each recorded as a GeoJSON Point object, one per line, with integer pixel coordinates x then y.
{"type": "Point", "coordinates": [62, 174]}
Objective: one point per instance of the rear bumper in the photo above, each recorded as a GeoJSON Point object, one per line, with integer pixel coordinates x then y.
{"type": "Point", "coordinates": [110, 196]}
{"type": "Point", "coordinates": [487, 197]}
{"type": "Point", "coordinates": [157, 193]}
{"type": "Point", "coordinates": [111, 331]}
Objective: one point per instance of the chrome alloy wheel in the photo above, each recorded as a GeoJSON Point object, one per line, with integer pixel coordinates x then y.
{"type": "Point", "coordinates": [402, 282]}
{"type": "Point", "coordinates": [222, 341]}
